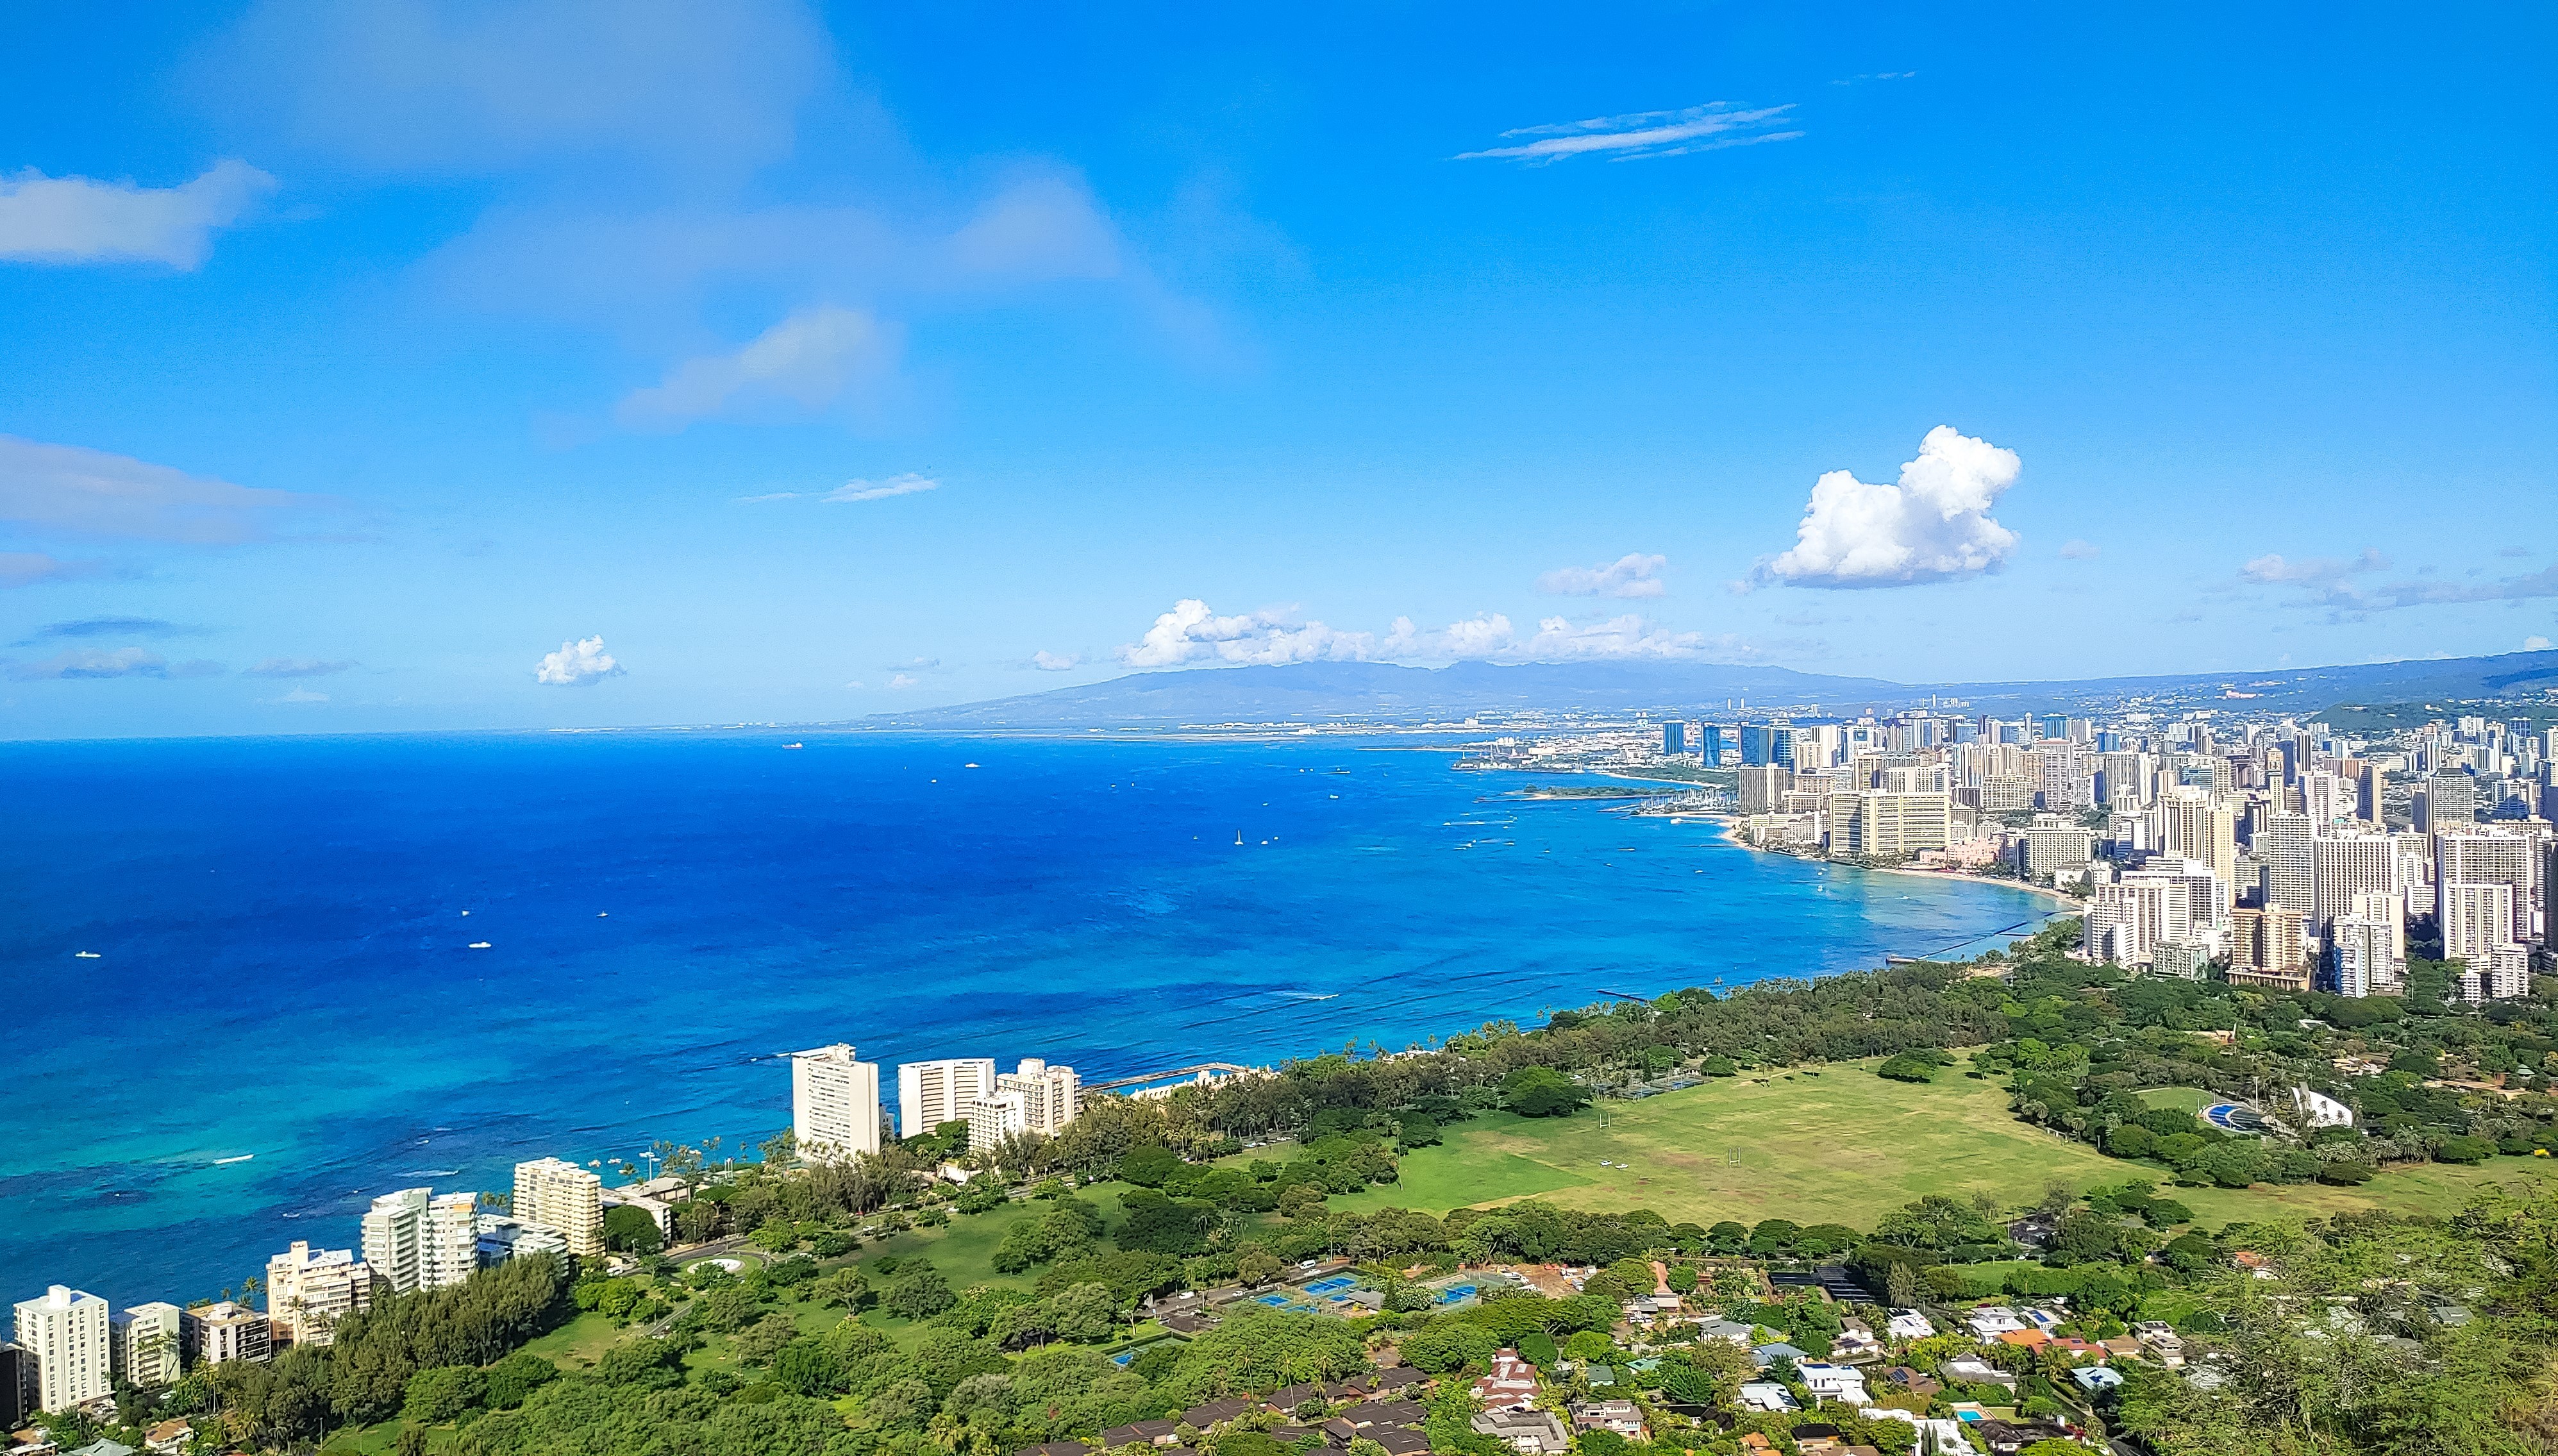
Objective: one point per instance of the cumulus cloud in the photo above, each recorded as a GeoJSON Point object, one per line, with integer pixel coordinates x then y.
{"type": "Point", "coordinates": [1935, 526]}
{"type": "Point", "coordinates": [900, 682]}
{"type": "Point", "coordinates": [1639, 134]}
{"type": "Point", "coordinates": [2535, 644]}
{"type": "Point", "coordinates": [1630, 576]}
{"type": "Point", "coordinates": [76, 220]}
{"type": "Point", "coordinates": [2274, 568]}
{"type": "Point", "coordinates": [577, 664]}
{"type": "Point", "coordinates": [93, 493]}
{"type": "Point", "coordinates": [110, 663]}
{"type": "Point", "coordinates": [1193, 633]}
{"type": "Point", "coordinates": [2075, 549]}
{"type": "Point", "coordinates": [1048, 661]}
{"type": "Point", "coordinates": [310, 667]}
{"type": "Point", "coordinates": [808, 360]}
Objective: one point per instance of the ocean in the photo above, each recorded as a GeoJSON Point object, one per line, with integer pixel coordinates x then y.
{"type": "Point", "coordinates": [285, 1014]}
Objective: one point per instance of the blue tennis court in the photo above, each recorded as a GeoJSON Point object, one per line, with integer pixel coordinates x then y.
{"type": "Point", "coordinates": [1456, 1293]}
{"type": "Point", "coordinates": [1327, 1286]}
{"type": "Point", "coordinates": [1275, 1301]}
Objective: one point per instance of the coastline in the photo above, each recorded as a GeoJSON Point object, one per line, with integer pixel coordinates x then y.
{"type": "Point", "coordinates": [1732, 835]}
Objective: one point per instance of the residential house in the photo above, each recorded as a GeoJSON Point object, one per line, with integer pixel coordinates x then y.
{"type": "Point", "coordinates": [1766, 1395]}
{"type": "Point", "coordinates": [1815, 1439]}
{"type": "Point", "coordinates": [1055, 1448]}
{"type": "Point", "coordinates": [1399, 1440]}
{"type": "Point", "coordinates": [1971, 1370]}
{"type": "Point", "coordinates": [1624, 1418]}
{"type": "Point", "coordinates": [1217, 1412]}
{"type": "Point", "coordinates": [2160, 1339]}
{"type": "Point", "coordinates": [168, 1438]}
{"type": "Point", "coordinates": [2096, 1377]}
{"type": "Point", "coordinates": [1855, 1346]}
{"type": "Point", "coordinates": [1530, 1432]}
{"type": "Point", "coordinates": [2007, 1437]}
{"type": "Point", "coordinates": [1399, 1378]}
{"type": "Point", "coordinates": [1383, 1413]}
{"type": "Point", "coordinates": [1141, 1433]}
{"type": "Point", "coordinates": [1903, 1380]}
{"type": "Point", "coordinates": [1829, 1383]}
{"type": "Point", "coordinates": [1512, 1381]}
{"type": "Point", "coordinates": [1992, 1320]}
{"type": "Point", "coordinates": [1908, 1324]}
{"type": "Point", "coordinates": [1288, 1397]}
{"type": "Point", "coordinates": [1732, 1330]}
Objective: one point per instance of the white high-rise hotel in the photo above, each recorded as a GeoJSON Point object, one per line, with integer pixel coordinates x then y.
{"type": "Point", "coordinates": [1035, 1097]}
{"type": "Point", "coordinates": [417, 1240]}
{"type": "Point", "coordinates": [930, 1093]}
{"type": "Point", "coordinates": [834, 1102]}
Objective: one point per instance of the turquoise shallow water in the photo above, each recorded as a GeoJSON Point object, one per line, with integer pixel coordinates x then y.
{"type": "Point", "coordinates": [283, 966]}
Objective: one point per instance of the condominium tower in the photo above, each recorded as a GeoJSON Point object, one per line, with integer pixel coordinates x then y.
{"type": "Point", "coordinates": [143, 1344]}
{"type": "Point", "coordinates": [930, 1093]}
{"type": "Point", "coordinates": [67, 1333]}
{"type": "Point", "coordinates": [560, 1195]}
{"type": "Point", "coordinates": [308, 1291]}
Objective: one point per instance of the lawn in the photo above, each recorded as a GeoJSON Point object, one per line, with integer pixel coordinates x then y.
{"type": "Point", "coordinates": [579, 1342]}
{"type": "Point", "coordinates": [1845, 1146]}
{"type": "Point", "coordinates": [2183, 1099]}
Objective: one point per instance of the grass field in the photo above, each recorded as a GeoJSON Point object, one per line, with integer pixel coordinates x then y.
{"type": "Point", "coordinates": [1845, 1146]}
{"type": "Point", "coordinates": [2183, 1099]}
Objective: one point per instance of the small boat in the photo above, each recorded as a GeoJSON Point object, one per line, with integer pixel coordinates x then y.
{"type": "Point", "coordinates": [972, 766]}
{"type": "Point", "coordinates": [83, 956]}
{"type": "Point", "coordinates": [226, 1162]}
{"type": "Point", "coordinates": [1238, 839]}
{"type": "Point", "coordinates": [794, 745]}
{"type": "Point", "coordinates": [600, 914]}
{"type": "Point", "coordinates": [478, 944]}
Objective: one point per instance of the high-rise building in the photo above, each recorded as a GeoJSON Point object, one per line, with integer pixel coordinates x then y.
{"type": "Point", "coordinates": [1675, 736]}
{"type": "Point", "coordinates": [834, 1102]}
{"type": "Point", "coordinates": [448, 1244]}
{"type": "Point", "coordinates": [2268, 948]}
{"type": "Point", "coordinates": [2449, 802]}
{"type": "Point", "coordinates": [220, 1334]}
{"type": "Point", "coordinates": [2193, 825]}
{"type": "Point", "coordinates": [143, 1344]}
{"type": "Point", "coordinates": [1035, 1098]}
{"type": "Point", "coordinates": [2055, 843]}
{"type": "Point", "coordinates": [1764, 788]}
{"type": "Point", "coordinates": [2128, 920]}
{"type": "Point", "coordinates": [16, 1385]}
{"type": "Point", "coordinates": [561, 1196]}
{"type": "Point", "coordinates": [394, 1231]}
{"type": "Point", "coordinates": [2360, 958]}
{"type": "Point", "coordinates": [2481, 858]}
{"type": "Point", "coordinates": [2474, 919]}
{"type": "Point", "coordinates": [2287, 876]}
{"type": "Point", "coordinates": [67, 1334]}
{"type": "Point", "coordinates": [1709, 744]}
{"type": "Point", "coordinates": [309, 1290]}
{"type": "Point", "coordinates": [1897, 824]}
{"type": "Point", "coordinates": [930, 1093]}
{"type": "Point", "coordinates": [2343, 866]}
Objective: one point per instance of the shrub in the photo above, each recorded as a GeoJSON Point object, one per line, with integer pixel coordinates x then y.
{"type": "Point", "coordinates": [2464, 1150]}
{"type": "Point", "coordinates": [1906, 1067]}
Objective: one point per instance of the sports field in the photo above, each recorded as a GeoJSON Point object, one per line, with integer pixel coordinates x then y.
{"type": "Point", "coordinates": [1840, 1146]}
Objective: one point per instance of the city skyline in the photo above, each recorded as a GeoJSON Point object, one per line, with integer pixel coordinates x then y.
{"type": "Point", "coordinates": [804, 363]}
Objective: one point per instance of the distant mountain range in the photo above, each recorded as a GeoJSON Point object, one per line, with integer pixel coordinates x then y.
{"type": "Point", "coordinates": [1318, 693]}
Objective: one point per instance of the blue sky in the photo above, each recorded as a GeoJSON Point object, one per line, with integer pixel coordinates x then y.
{"type": "Point", "coordinates": [424, 365]}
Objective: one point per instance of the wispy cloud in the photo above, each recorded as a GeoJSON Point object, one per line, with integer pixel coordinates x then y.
{"type": "Point", "coordinates": [27, 568]}
{"type": "Point", "coordinates": [91, 492]}
{"type": "Point", "coordinates": [1631, 576]}
{"type": "Point", "coordinates": [908, 484]}
{"type": "Point", "coordinates": [806, 361]}
{"type": "Point", "coordinates": [2339, 585]}
{"type": "Point", "coordinates": [1048, 661]}
{"type": "Point", "coordinates": [77, 220]}
{"type": "Point", "coordinates": [298, 667]}
{"type": "Point", "coordinates": [1640, 134]}
{"type": "Point", "coordinates": [2075, 550]}
{"type": "Point", "coordinates": [1877, 75]}
{"type": "Point", "coordinates": [118, 626]}
{"type": "Point", "coordinates": [75, 662]}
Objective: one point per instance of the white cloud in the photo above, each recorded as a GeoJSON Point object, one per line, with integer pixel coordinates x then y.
{"type": "Point", "coordinates": [1042, 227]}
{"type": "Point", "coordinates": [27, 568]}
{"type": "Point", "coordinates": [300, 695]}
{"type": "Point", "coordinates": [2535, 644]}
{"type": "Point", "coordinates": [1935, 526]}
{"type": "Point", "coordinates": [111, 662]}
{"type": "Point", "coordinates": [1048, 661]}
{"type": "Point", "coordinates": [1631, 577]}
{"type": "Point", "coordinates": [901, 681]}
{"type": "Point", "coordinates": [807, 360]}
{"type": "Point", "coordinates": [2274, 568]}
{"type": "Point", "coordinates": [1191, 633]}
{"type": "Point", "coordinates": [75, 220]}
{"type": "Point", "coordinates": [297, 668]}
{"type": "Point", "coordinates": [1638, 135]}
{"type": "Point", "coordinates": [2075, 549]}
{"type": "Point", "coordinates": [418, 86]}
{"type": "Point", "coordinates": [91, 492]}
{"type": "Point", "coordinates": [908, 484]}
{"type": "Point", "coordinates": [577, 664]}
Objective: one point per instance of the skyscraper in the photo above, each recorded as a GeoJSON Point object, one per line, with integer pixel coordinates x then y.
{"type": "Point", "coordinates": [2484, 857]}
{"type": "Point", "coordinates": [308, 1291]}
{"type": "Point", "coordinates": [930, 1093]}
{"type": "Point", "coordinates": [1674, 737]}
{"type": "Point", "coordinates": [2344, 866]}
{"type": "Point", "coordinates": [2475, 919]}
{"type": "Point", "coordinates": [2450, 802]}
{"type": "Point", "coordinates": [2286, 873]}
{"type": "Point", "coordinates": [834, 1102]}
{"type": "Point", "coordinates": [393, 1230]}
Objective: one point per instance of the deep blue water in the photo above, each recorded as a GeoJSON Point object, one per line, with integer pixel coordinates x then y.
{"type": "Point", "coordinates": [283, 966]}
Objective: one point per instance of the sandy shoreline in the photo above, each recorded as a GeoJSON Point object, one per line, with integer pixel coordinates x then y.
{"type": "Point", "coordinates": [1732, 835]}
